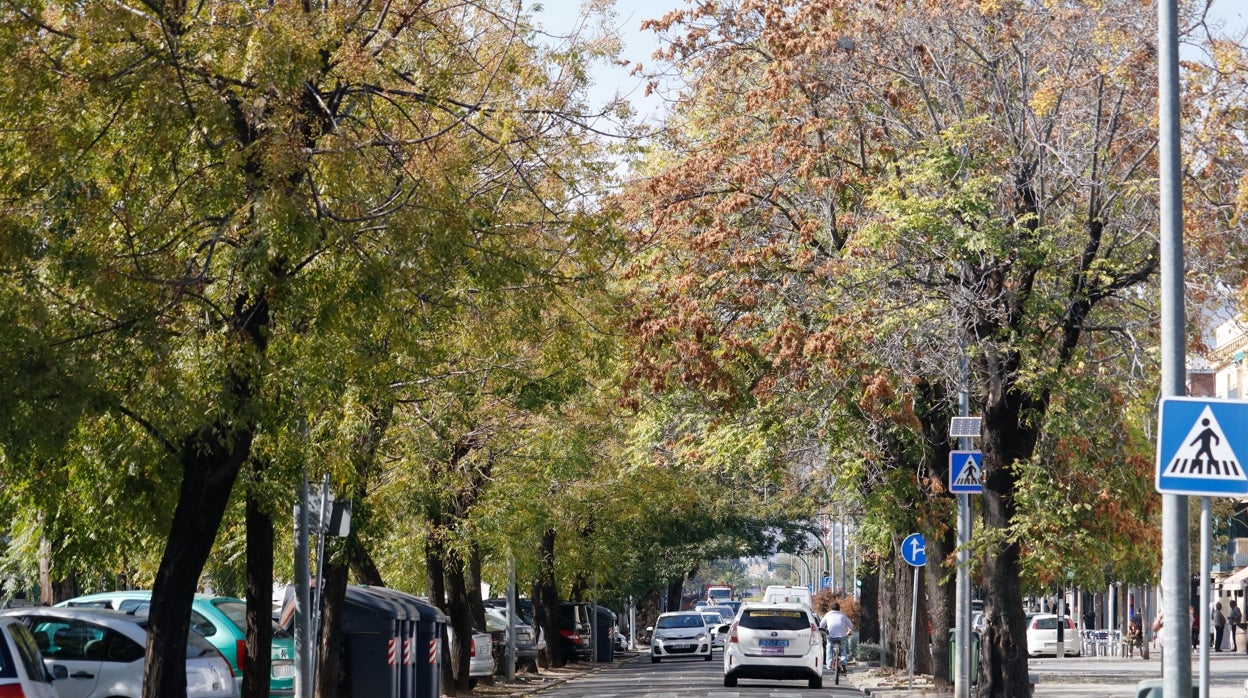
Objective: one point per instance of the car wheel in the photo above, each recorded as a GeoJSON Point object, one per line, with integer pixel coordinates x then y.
{"type": "Point", "coordinates": [730, 681]}
{"type": "Point", "coordinates": [654, 659]}
{"type": "Point", "coordinates": [816, 682]}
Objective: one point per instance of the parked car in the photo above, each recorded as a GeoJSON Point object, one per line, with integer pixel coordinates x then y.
{"type": "Point", "coordinates": [22, 673]}
{"type": "Point", "coordinates": [481, 656]}
{"type": "Point", "coordinates": [680, 634]}
{"type": "Point", "coordinates": [573, 623]}
{"type": "Point", "coordinates": [222, 621]}
{"type": "Point", "coordinates": [774, 641]}
{"type": "Point", "coordinates": [526, 645]}
{"type": "Point", "coordinates": [525, 613]}
{"type": "Point", "coordinates": [98, 653]}
{"type": "Point", "coordinates": [1042, 635]}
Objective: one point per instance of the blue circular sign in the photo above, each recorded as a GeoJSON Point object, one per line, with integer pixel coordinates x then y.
{"type": "Point", "coordinates": [914, 550]}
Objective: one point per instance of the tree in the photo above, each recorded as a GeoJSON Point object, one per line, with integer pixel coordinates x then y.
{"type": "Point", "coordinates": [198, 190]}
{"type": "Point", "coordinates": [850, 190]}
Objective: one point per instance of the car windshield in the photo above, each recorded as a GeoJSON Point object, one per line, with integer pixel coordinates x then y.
{"type": "Point", "coordinates": [773, 619]}
{"type": "Point", "coordinates": [713, 618]}
{"type": "Point", "coordinates": [685, 621]}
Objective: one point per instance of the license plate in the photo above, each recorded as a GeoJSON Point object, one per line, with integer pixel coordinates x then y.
{"type": "Point", "coordinates": [678, 645]}
{"type": "Point", "coordinates": [283, 670]}
{"type": "Point", "coordinates": [773, 643]}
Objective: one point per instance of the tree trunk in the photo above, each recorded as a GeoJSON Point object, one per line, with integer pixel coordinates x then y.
{"type": "Point", "coordinates": [476, 603]}
{"type": "Point", "coordinates": [210, 466]}
{"type": "Point", "coordinates": [259, 593]}
{"type": "Point", "coordinates": [869, 607]}
{"type": "Point", "coordinates": [53, 591]}
{"type": "Point", "coordinates": [675, 593]}
{"type": "Point", "coordinates": [330, 679]}
{"type": "Point", "coordinates": [548, 598]}
{"type": "Point", "coordinates": [1003, 655]}
{"type": "Point", "coordinates": [941, 601]}
{"type": "Point", "coordinates": [457, 611]}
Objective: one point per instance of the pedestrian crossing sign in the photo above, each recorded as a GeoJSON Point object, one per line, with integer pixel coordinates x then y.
{"type": "Point", "coordinates": [966, 472]}
{"type": "Point", "coordinates": [1199, 445]}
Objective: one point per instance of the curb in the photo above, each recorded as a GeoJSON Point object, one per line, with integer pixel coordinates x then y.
{"type": "Point", "coordinates": [547, 684]}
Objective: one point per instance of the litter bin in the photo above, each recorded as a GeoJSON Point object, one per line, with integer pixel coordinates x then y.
{"type": "Point", "coordinates": [953, 656]}
{"type": "Point", "coordinates": [420, 655]}
{"type": "Point", "coordinates": [604, 634]}
{"type": "Point", "coordinates": [429, 641]}
{"type": "Point", "coordinates": [373, 628]}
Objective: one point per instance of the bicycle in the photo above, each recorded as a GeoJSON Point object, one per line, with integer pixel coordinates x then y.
{"type": "Point", "coordinates": [835, 664]}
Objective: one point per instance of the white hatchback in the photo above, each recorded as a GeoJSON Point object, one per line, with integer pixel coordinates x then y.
{"type": "Point", "coordinates": [1042, 635]}
{"type": "Point", "coordinates": [774, 641]}
{"type": "Point", "coordinates": [680, 634]}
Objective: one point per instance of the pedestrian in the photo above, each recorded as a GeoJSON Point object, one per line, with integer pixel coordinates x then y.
{"type": "Point", "coordinates": [1195, 628]}
{"type": "Point", "coordinates": [1135, 637]}
{"type": "Point", "coordinates": [1233, 619]}
{"type": "Point", "coordinates": [1219, 626]}
{"type": "Point", "coordinates": [1089, 619]}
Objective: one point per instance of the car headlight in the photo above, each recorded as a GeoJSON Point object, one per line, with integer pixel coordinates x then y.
{"type": "Point", "coordinates": [701, 636]}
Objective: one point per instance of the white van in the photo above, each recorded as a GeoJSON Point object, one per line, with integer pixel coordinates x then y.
{"type": "Point", "coordinates": [787, 594]}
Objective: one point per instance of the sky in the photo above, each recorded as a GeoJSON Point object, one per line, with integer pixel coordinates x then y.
{"type": "Point", "coordinates": [559, 15]}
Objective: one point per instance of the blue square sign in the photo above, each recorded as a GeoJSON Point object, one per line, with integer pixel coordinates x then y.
{"type": "Point", "coordinates": [966, 472]}
{"type": "Point", "coordinates": [1199, 447]}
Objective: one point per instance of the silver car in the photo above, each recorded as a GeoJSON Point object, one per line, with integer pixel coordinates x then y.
{"type": "Point", "coordinates": [94, 653]}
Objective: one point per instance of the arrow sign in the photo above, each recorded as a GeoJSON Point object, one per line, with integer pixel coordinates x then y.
{"type": "Point", "coordinates": [914, 550]}
{"type": "Point", "coordinates": [1199, 447]}
{"type": "Point", "coordinates": [966, 472]}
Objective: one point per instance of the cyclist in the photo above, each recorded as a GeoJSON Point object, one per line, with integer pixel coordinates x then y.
{"type": "Point", "coordinates": [838, 627]}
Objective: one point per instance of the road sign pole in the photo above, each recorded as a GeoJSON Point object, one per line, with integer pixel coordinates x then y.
{"type": "Point", "coordinates": [914, 623]}
{"type": "Point", "coordinates": [1176, 663]}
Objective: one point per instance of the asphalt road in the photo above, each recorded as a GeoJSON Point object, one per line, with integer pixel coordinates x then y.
{"type": "Point", "coordinates": [685, 678]}
{"type": "Point", "coordinates": [633, 676]}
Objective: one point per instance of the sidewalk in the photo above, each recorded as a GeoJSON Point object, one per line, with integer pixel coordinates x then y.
{"type": "Point", "coordinates": [1084, 677]}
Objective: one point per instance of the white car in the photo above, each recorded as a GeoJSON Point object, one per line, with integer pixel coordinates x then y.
{"type": "Point", "coordinates": [778, 593]}
{"type": "Point", "coordinates": [95, 653]}
{"type": "Point", "coordinates": [21, 668]}
{"type": "Point", "coordinates": [680, 634]}
{"type": "Point", "coordinates": [713, 622]}
{"type": "Point", "coordinates": [1042, 635]}
{"type": "Point", "coordinates": [774, 641]}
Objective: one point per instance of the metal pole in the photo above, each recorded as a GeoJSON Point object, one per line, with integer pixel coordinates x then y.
{"type": "Point", "coordinates": [303, 665]}
{"type": "Point", "coordinates": [962, 601]}
{"type": "Point", "coordinates": [1206, 518]}
{"type": "Point", "coordinates": [511, 618]}
{"type": "Point", "coordinates": [1176, 663]}
{"type": "Point", "coordinates": [914, 623]}
{"type": "Point", "coordinates": [322, 523]}
{"type": "Point", "coordinates": [844, 540]}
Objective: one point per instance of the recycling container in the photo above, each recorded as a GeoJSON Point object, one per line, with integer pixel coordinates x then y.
{"type": "Point", "coordinates": [953, 656]}
{"type": "Point", "coordinates": [604, 634]}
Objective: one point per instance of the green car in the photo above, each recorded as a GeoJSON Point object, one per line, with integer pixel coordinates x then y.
{"type": "Point", "coordinates": [221, 621]}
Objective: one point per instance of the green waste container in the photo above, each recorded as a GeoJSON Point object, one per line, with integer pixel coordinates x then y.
{"type": "Point", "coordinates": [953, 656]}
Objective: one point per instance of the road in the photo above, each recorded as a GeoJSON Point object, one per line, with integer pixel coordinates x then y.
{"type": "Point", "coordinates": [692, 678]}
{"type": "Point", "coordinates": [634, 676]}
